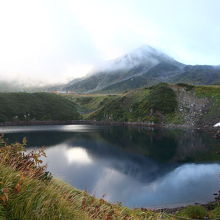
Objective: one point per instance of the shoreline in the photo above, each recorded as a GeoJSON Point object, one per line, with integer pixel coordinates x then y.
{"type": "Point", "coordinates": [93, 122]}
{"type": "Point", "coordinates": [113, 123]}
{"type": "Point", "coordinates": [213, 130]}
{"type": "Point", "coordinates": [70, 122]}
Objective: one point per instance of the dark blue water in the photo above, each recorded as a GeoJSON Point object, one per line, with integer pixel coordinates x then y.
{"type": "Point", "coordinates": [139, 167]}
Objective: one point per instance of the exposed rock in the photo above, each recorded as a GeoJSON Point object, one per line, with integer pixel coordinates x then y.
{"type": "Point", "coordinates": [217, 134]}
{"type": "Point", "coordinates": [190, 106]}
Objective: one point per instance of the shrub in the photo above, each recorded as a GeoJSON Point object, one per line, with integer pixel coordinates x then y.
{"type": "Point", "coordinates": [28, 163]}
{"type": "Point", "coordinates": [162, 98]}
{"type": "Point", "coordinates": [195, 212]}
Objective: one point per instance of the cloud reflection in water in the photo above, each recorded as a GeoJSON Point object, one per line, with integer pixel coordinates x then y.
{"type": "Point", "coordinates": [184, 184]}
{"type": "Point", "coordinates": [77, 154]}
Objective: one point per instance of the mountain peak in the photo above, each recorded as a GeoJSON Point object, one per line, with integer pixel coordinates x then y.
{"type": "Point", "coordinates": [144, 55]}
{"type": "Point", "coordinates": [142, 67]}
{"type": "Point", "coordinates": [147, 51]}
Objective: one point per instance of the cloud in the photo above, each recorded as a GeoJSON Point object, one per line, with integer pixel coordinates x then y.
{"type": "Point", "coordinates": [49, 40]}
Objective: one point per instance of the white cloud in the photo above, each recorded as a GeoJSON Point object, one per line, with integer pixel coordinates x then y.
{"type": "Point", "coordinates": [78, 70]}
{"type": "Point", "coordinates": [56, 40]}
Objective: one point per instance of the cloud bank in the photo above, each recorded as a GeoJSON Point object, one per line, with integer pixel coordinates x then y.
{"type": "Point", "coordinates": [57, 40]}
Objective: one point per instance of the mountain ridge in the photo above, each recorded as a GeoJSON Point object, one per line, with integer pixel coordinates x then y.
{"type": "Point", "coordinates": [143, 67]}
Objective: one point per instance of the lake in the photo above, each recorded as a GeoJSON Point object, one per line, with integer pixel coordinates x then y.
{"type": "Point", "coordinates": [138, 167]}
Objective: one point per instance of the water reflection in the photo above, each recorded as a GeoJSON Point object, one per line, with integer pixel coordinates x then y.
{"type": "Point", "coordinates": [77, 154]}
{"type": "Point", "coordinates": [146, 186]}
{"type": "Point", "coordinates": [49, 128]}
{"type": "Point", "coordinates": [138, 167]}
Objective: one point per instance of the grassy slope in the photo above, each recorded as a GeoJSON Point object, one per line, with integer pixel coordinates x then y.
{"type": "Point", "coordinates": [127, 107]}
{"type": "Point", "coordinates": [35, 106]}
{"type": "Point", "coordinates": [136, 106]}
{"type": "Point", "coordinates": [86, 104]}
{"type": "Point", "coordinates": [212, 116]}
{"type": "Point", "coordinates": [57, 200]}
{"type": "Point", "coordinates": [36, 200]}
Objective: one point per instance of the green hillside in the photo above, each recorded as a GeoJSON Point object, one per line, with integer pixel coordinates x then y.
{"type": "Point", "coordinates": [139, 105]}
{"type": "Point", "coordinates": [35, 106]}
{"type": "Point", "coordinates": [169, 104]}
{"type": "Point", "coordinates": [88, 103]}
{"type": "Point", "coordinates": [163, 103]}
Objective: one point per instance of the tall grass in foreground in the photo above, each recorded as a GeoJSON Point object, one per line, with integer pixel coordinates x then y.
{"type": "Point", "coordinates": [34, 199]}
{"type": "Point", "coordinates": [28, 192]}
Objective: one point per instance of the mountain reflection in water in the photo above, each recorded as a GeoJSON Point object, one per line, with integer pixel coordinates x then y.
{"type": "Point", "coordinates": [138, 167]}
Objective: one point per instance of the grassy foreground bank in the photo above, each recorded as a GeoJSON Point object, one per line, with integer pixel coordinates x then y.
{"type": "Point", "coordinates": [29, 192]}
{"type": "Point", "coordinates": [57, 200]}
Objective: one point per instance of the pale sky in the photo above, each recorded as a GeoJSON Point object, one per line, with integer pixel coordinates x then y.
{"type": "Point", "coordinates": [56, 40]}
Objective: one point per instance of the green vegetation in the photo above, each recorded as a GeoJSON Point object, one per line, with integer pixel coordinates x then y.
{"type": "Point", "coordinates": [35, 106]}
{"type": "Point", "coordinates": [162, 98]}
{"type": "Point", "coordinates": [127, 107]}
{"type": "Point", "coordinates": [208, 91]}
{"type": "Point", "coordinates": [174, 118]}
{"type": "Point", "coordinates": [194, 212]}
{"type": "Point", "coordinates": [162, 103]}
{"type": "Point", "coordinates": [212, 93]}
{"type": "Point", "coordinates": [29, 198]}
{"type": "Point", "coordinates": [26, 187]}
{"type": "Point", "coordinates": [152, 104]}
{"type": "Point", "coordinates": [157, 104]}
{"type": "Point", "coordinates": [86, 104]}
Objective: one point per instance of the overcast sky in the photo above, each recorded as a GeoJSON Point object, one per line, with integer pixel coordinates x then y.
{"type": "Point", "coordinates": [62, 39]}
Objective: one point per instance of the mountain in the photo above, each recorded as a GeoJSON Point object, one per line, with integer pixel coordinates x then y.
{"type": "Point", "coordinates": [143, 67]}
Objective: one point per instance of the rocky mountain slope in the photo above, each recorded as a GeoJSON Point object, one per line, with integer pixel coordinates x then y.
{"type": "Point", "coordinates": [143, 67]}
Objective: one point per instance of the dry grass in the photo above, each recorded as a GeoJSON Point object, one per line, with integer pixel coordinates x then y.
{"type": "Point", "coordinates": [28, 191]}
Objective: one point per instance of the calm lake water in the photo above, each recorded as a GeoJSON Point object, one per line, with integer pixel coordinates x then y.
{"type": "Point", "coordinates": [138, 167]}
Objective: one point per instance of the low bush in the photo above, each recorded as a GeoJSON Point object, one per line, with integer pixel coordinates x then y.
{"type": "Point", "coordinates": [194, 212]}
{"type": "Point", "coordinates": [162, 99]}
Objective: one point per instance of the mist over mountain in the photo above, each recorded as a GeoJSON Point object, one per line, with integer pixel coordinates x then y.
{"type": "Point", "coordinates": [145, 55]}
{"type": "Point", "coordinates": [142, 67]}
{"type": "Point", "coordinates": [28, 86]}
